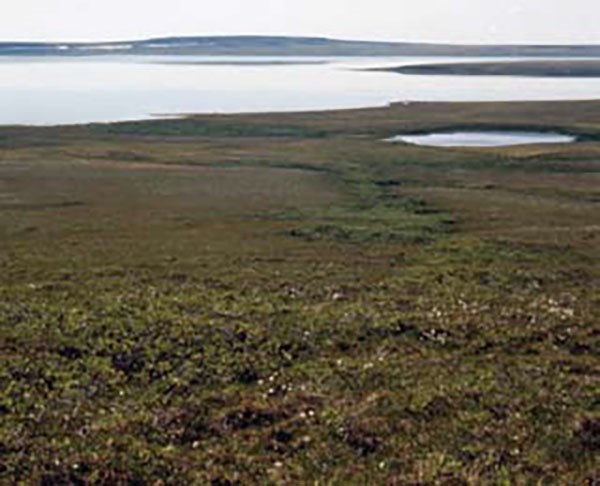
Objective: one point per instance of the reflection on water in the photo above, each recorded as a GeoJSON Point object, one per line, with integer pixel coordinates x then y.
{"type": "Point", "coordinates": [64, 90]}
{"type": "Point", "coordinates": [482, 139]}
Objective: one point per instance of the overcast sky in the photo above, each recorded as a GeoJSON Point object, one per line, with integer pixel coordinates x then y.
{"type": "Point", "coordinates": [485, 21]}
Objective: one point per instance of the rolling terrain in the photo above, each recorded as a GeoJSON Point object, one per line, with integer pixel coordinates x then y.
{"type": "Point", "coordinates": [287, 299]}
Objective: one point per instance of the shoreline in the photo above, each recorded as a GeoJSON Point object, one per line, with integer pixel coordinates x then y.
{"type": "Point", "coordinates": [166, 117]}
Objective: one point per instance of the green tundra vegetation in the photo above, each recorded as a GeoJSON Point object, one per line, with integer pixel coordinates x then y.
{"type": "Point", "coordinates": [287, 299]}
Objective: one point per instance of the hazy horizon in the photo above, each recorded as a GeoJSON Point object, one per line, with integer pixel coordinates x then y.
{"type": "Point", "coordinates": [233, 34]}
{"type": "Point", "coordinates": [430, 21]}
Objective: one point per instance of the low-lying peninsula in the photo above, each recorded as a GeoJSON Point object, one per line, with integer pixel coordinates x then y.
{"type": "Point", "coordinates": [580, 69]}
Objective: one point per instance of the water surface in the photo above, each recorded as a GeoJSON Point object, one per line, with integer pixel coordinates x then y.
{"type": "Point", "coordinates": [482, 139]}
{"type": "Point", "coordinates": [47, 91]}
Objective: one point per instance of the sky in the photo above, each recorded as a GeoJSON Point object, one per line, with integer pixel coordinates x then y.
{"type": "Point", "coordinates": [470, 21]}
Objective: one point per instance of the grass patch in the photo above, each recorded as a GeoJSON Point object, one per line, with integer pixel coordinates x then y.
{"type": "Point", "coordinates": [190, 127]}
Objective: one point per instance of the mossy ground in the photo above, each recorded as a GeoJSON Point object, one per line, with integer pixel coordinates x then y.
{"type": "Point", "coordinates": [285, 299]}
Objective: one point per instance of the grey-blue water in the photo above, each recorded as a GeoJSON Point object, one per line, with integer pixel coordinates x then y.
{"type": "Point", "coordinates": [46, 91]}
{"type": "Point", "coordinates": [482, 139]}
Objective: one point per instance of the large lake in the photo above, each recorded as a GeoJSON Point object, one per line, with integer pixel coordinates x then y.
{"type": "Point", "coordinates": [46, 91]}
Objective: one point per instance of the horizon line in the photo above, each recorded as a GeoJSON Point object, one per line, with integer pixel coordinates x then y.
{"type": "Point", "coordinates": [293, 36]}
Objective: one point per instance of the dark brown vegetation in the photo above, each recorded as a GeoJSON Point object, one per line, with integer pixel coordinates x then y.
{"type": "Point", "coordinates": [285, 299]}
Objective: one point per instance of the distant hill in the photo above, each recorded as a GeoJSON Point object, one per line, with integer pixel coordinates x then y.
{"type": "Point", "coordinates": [287, 46]}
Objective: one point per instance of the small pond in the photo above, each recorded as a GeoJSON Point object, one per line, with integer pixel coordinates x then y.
{"type": "Point", "coordinates": [482, 139]}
